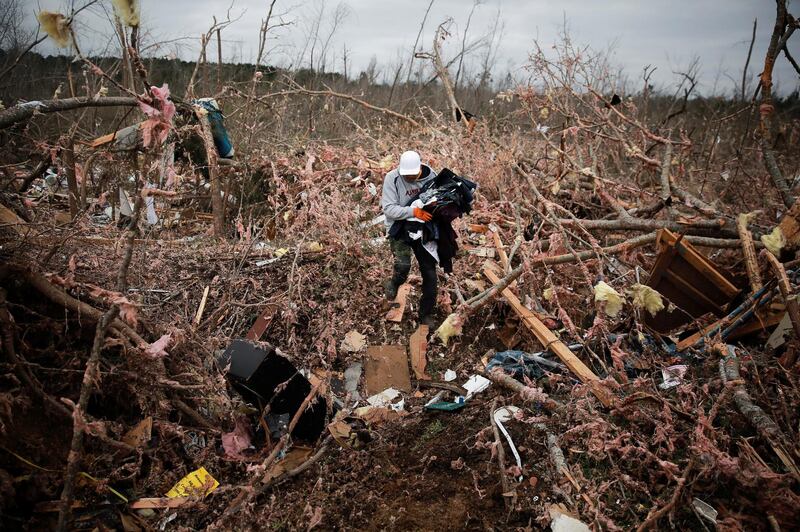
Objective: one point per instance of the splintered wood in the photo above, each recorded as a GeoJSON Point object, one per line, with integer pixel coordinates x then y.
{"type": "Point", "coordinates": [386, 366]}
{"type": "Point", "coordinates": [396, 314]}
{"type": "Point", "coordinates": [551, 342]}
{"type": "Point", "coordinates": [418, 347]}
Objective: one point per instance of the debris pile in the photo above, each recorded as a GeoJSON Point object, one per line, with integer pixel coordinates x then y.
{"type": "Point", "coordinates": [195, 340]}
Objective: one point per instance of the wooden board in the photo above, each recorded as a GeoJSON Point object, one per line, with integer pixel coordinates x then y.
{"type": "Point", "coordinates": [396, 314]}
{"type": "Point", "coordinates": [551, 342]}
{"type": "Point", "coordinates": [418, 346]}
{"type": "Point", "coordinates": [263, 322]}
{"type": "Point", "coordinates": [386, 366]}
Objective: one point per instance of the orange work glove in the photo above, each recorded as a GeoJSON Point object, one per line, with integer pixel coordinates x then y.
{"type": "Point", "coordinates": [425, 216]}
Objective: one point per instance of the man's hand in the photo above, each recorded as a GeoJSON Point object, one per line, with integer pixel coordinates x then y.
{"type": "Point", "coordinates": [425, 216]}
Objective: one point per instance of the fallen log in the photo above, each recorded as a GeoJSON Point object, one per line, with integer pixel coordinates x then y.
{"type": "Point", "coordinates": [764, 425]}
{"type": "Point", "coordinates": [718, 227]}
{"type": "Point", "coordinates": [525, 393]}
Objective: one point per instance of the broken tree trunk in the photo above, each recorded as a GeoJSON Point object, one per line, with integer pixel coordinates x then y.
{"type": "Point", "coordinates": [766, 109]}
{"type": "Point", "coordinates": [441, 70]}
{"type": "Point", "coordinates": [749, 250]}
{"type": "Point", "coordinates": [213, 172]}
{"type": "Point", "coordinates": [26, 110]}
{"type": "Point", "coordinates": [73, 192]}
{"type": "Point", "coordinates": [526, 393]}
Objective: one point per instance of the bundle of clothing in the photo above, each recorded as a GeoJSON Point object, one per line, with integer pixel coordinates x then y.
{"type": "Point", "coordinates": [447, 197]}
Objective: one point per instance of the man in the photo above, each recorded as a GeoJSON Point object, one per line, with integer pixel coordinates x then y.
{"type": "Point", "coordinates": [400, 187]}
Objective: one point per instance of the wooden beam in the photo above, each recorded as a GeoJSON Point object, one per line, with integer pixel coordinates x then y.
{"type": "Point", "coordinates": [396, 314]}
{"type": "Point", "coordinates": [551, 342]}
{"type": "Point", "coordinates": [418, 345]}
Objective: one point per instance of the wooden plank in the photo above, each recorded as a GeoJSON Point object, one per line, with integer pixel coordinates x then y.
{"type": "Point", "coordinates": [501, 251]}
{"type": "Point", "coordinates": [418, 345]}
{"type": "Point", "coordinates": [386, 366]}
{"type": "Point", "coordinates": [551, 342]}
{"type": "Point", "coordinates": [159, 502]}
{"type": "Point", "coordinates": [396, 314]}
{"type": "Point", "coordinates": [199, 316]}
{"type": "Point", "coordinates": [263, 322]}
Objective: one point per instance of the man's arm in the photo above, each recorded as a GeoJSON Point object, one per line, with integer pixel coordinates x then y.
{"type": "Point", "coordinates": [390, 202]}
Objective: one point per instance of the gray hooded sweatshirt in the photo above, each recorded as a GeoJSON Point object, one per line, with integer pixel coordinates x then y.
{"type": "Point", "coordinates": [397, 191]}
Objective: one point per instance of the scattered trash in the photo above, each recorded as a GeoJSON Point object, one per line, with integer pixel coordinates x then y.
{"type": "Point", "coordinates": [351, 377]}
{"type": "Point", "coordinates": [450, 375]}
{"type": "Point", "coordinates": [198, 483]}
{"type": "Point", "coordinates": [194, 442]}
{"type": "Point", "coordinates": [399, 305]}
{"type": "Point", "coordinates": [519, 364]}
{"type": "Point", "coordinates": [781, 332]}
{"type": "Point", "coordinates": [564, 521]}
{"type": "Point", "coordinates": [265, 377]}
{"type": "Point", "coordinates": [450, 327]}
{"type": "Point", "coordinates": [388, 398]}
{"type": "Point", "coordinates": [504, 415]}
{"type": "Point", "coordinates": [488, 253]}
{"type": "Point", "coordinates": [292, 459]}
{"type": "Point", "coordinates": [705, 510]}
{"type": "Point", "coordinates": [354, 342]}
{"type": "Point", "coordinates": [238, 440]}
{"type": "Point", "coordinates": [386, 366]}
{"type": "Point", "coordinates": [673, 376]}
{"type": "Point", "coordinates": [476, 384]}
{"type": "Point", "coordinates": [612, 298]}
{"type": "Point", "coordinates": [218, 132]}
{"type": "Point", "coordinates": [646, 298]}
{"type": "Point", "coordinates": [447, 406]}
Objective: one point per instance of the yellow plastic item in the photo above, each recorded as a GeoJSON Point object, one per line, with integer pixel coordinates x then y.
{"type": "Point", "coordinates": [197, 483]}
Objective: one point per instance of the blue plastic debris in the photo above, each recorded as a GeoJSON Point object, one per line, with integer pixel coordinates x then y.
{"type": "Point", "coordinates": [216, 119]}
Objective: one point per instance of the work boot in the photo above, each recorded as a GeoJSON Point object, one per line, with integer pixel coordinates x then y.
{"type": "Point", "coordinates": [390, 289]}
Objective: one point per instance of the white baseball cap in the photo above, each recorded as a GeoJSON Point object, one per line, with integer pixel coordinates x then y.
{"type": "Point", "coordinates": [409, 163]}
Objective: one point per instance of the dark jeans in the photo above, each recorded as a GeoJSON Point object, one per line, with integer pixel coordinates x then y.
{"type": "Point", "coordinates": [427, 267]}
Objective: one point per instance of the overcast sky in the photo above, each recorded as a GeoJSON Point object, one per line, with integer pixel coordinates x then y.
{"type": "Point", "coordinates": [663, 33]}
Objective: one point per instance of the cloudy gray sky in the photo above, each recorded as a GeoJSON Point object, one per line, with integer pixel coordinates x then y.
{"type": "Point", "coordinates": [667, 34]}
